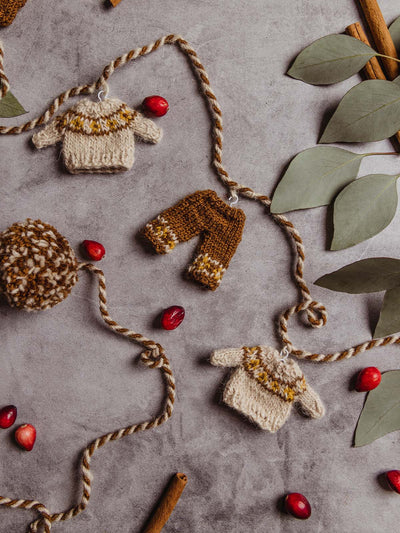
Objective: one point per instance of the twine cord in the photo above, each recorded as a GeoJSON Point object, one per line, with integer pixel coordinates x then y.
{"type": "Point", "coordinates": [315, 312]}
{"type": "Point", "coordinates": [4, 83]}
{"type": "Point", "coordinates": [154, 356]}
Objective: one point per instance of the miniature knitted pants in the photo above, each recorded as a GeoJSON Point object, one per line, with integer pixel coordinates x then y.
{"type": "Point", "coordinates": [9, 10]}
{"type": "Point", "coordinates": [202, 213]}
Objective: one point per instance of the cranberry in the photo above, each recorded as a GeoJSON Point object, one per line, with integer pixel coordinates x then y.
{"type": "Point", "coordinates": [94, 250]}
{"type": "Point", "coordinates": [393, 478]}
{"type": "Point", "coordinates": [155, 105]}
{"type": "Point", "coordinates": [8, 414]}
{"type": "Point", "coordinates": [25, 436]}
{"type": "Point", "coordinates": [297, 505]}
{"type": "Point", "coordinates": [368, 379]}
{"type": "Point", "coordinates": [172, 317]}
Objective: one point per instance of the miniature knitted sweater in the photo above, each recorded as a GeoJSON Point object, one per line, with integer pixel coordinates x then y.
{"type": "Point", "coordinates": [264, 386]}
{"type": "Point", "coordinates": [9, 10]}
{"type": "Point", "coordinates": [98, 136]}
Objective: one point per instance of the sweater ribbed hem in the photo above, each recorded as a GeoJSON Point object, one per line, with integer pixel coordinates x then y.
{"type": "Point", "coordinates": [85, 161]}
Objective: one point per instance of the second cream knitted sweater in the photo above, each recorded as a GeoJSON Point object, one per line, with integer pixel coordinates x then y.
{"type": "Point", "coordinates": [264, 386]}
{"type": "Point", "coordinates": [98, 136]}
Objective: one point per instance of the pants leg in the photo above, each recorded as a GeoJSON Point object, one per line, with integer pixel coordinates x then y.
{"type": "Point", "coordinates": [177, 224]}
{"type": "Point", "coordinates": [221, 235]}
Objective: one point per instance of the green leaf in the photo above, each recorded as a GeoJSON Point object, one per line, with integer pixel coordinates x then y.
{"type": "Point", "coordinates": [363, 209]}
{"type": "Point", "coordinates": [394, 29]}
{"type": "Point", "coordinates": [381, 412]}
{"type": "Point", "coordinates": [396, 80]}
{"type": "Point", "coordinates": [370, 111]}
{"type": "Point", "coordinates": [314, 177]}
{"type": "Point", "coordinates": [389, 318]}
{"type": "Point", "coordinates": [331, 59]}
{"type": "Point", "coordinates": [368, 275]}
{"type": "Point", "coordinates": [10, 107]}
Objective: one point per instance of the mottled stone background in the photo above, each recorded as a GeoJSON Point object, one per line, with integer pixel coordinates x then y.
{"type": "Point", "coordinates": [74, 380]}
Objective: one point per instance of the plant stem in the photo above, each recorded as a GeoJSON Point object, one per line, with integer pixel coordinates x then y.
{"type": "Point", "coordinates": [382, 153]}
{"type": "Point", "coordinates": [389, 57]}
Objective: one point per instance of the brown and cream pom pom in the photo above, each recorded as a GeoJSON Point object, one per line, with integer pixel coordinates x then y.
{"type": "Point", "coordinates": [38, 268]}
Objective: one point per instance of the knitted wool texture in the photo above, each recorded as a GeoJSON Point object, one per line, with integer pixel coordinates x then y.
{"type": "Point", "coordinates": [38, 268]}
{"type": "Point", "coordinates": [98, 136]}
{"type": "Point", "coordinates": [202, 213]}
{"type": "Point", "coordinates": [9, 10]}
{"type": "Point", "coordinates": [264, 387]}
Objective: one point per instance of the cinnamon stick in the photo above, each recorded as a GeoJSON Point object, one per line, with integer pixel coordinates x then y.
{"type": "Point", "coordinates": [381, 36]}
{"type": "Point", "coordinates": [372, 70]}
{"type": "Point", "coordinates": [114, 3]}
{"type": "Point", "coordinates": [167, 504]}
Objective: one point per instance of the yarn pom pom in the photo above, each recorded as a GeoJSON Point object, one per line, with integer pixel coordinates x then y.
{"type": "Point", "coordinates": [38, 268]}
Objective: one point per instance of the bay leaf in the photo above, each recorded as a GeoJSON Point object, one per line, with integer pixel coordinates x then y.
{"type": "Point", "coordinates": [381, 412]}
{"type": "Point", "coordinates": [331, 59]}
{"type": "Point", "coordinates": [10, 107]}
{"type": "Point", "coordinates": [314, 177]}
{"type": "Point", "coordinates": [394, 29]}
{"type": "Point", "coordinates": [363, 209]}
{"type": "Point", "coordinates": [389, 318]}
{"type": "Point", "coordinates": [370, 111]}
{"type": "Point", "coordinates": [367, 275]}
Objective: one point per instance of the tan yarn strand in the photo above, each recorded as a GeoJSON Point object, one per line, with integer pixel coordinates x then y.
{"type": "Point", "coordinates": [4, 83]}
{"type": "Point", "coordinates": [316, 312]}
{"type": "Point", "coordinates": [153, 357]}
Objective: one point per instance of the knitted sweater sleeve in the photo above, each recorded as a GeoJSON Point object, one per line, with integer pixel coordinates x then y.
{"type": "Point", "coordinates": [311, 403]}
{"type": "Point", "coordinates": [146, 129]}
{"type": "Point", "coordinates": [227, 357]}
{"type": "Point", "coordinates": [50, 134]}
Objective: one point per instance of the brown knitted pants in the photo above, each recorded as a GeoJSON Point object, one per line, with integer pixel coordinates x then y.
{"type": "Point", "coordinates": [9, 10]}
{"type": "Point", "coordinates": [202, 213]}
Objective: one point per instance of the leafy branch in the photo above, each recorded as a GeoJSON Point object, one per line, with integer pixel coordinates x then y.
{"type": "Point", "coordinates": [371, 275]}
{"type": "Point", "coordinates": [370, 111]}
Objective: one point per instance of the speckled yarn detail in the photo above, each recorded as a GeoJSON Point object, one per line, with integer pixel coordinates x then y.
{"type": "Point", "coordinates": [9, 10]}
{"type": "Point", "coordinates": [202, 213]}
{"type": "Point", "coordinates": [38, 268]}
{"type": "Point", "coordinates": [264, 386]}
{"type": "Point", "coordinates": [98, 136]}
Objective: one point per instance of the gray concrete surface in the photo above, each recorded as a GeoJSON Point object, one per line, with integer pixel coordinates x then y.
{"type": "Point", "coordinates": [74, 380]}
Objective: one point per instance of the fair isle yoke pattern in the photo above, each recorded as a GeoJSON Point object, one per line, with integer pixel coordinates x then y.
{"type": "Point", "coordinates": [274, 378]}
{"type": "Point", "coordinates": [95, 123]}
{"type": "Point", "coordinates": [98, 137]}
{"type": "Point", "coordinates": [264, 386]}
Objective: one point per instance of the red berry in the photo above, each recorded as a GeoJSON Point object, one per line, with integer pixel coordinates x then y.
{"type": "Point", "coordinates": [94, 250]}
{"type": "Point", "coordinates": [297, 505]}
{"type": "Point", "coordinates": [368, 379]}
{"type": "Point", "coordinates": [172, 317]}
{"type": "Point", "coordinates": [25, 436]}
{"type": "Point", "coordinates": [155, 105]}
{"type": "Point", "coordinates": [393, 478]}
{"type": "Point", "coordinates": [8, 414]}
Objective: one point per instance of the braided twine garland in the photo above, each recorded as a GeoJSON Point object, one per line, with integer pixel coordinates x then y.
{"type": "Point", "coordinates": [4, 83]}
{"type": "Point", "coordinates": [154, 357]}
{"type": "Point", "coordinates": [315, 311]}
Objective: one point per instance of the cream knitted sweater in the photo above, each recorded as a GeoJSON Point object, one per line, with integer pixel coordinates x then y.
{"type": "Point", "coordinates": [264, 387]}
{"type": "Point", "coordinates": [98, 136]}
